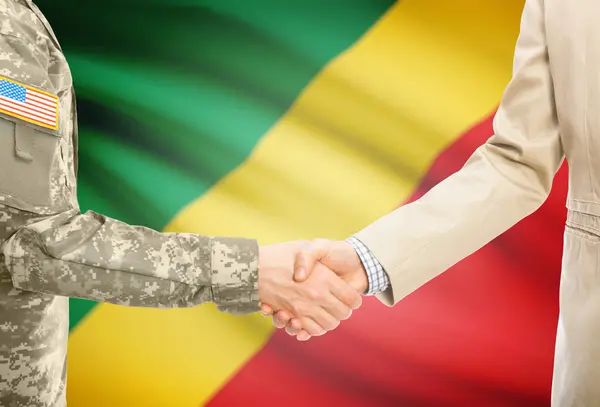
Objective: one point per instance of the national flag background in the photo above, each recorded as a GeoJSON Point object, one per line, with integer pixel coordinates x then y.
{"type": "Point", "coordinates": [299, 119]}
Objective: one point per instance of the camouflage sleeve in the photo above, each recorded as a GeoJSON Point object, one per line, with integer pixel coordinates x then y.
{"type": "Point", "coordinates": [98, 258]}
{"type": "Point", "coordinates": [47, 244]}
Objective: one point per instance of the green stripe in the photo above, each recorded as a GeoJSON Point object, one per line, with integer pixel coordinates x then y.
{"type": "Point", "coordinates": [174, 94]}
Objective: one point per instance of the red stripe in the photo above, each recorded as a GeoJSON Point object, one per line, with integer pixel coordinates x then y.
{"type": "Point", "coordinates": [22, 107]}
{"type": "Point", "coordinates": [51, 100]}
{"type": "Point", "coordinates": [481, 334]}
{"type": "Point", "coordinates": [37, 107]}
{"type": "Point", "coordinates": [42, 103]}
{"type": "Point", "coordinates": [7, 105]}
{"type": "Point", "coordinates": [42, 106]}
{"type": "Point", "coordinates": [26, 107]}
{"type": "Point", "coordinates": [28, 115]}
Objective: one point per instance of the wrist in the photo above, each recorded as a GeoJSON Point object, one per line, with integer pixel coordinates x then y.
{"type": "Point", "coordinates": [275, 264]}
{"type": "Point", "coordinates": [262, 274]}
{"type": "Point", "coordinates": [361, 280]}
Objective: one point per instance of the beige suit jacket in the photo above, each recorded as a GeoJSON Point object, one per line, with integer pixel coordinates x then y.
{"type": "Point", "coordinates": [550, 110]}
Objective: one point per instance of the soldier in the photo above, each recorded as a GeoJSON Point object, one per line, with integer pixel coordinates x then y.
{"type": "Point", "coordinates": [51, 251]}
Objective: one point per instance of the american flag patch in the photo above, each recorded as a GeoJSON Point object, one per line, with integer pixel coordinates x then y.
{"type": "Point", "coordinates": [29, 104]}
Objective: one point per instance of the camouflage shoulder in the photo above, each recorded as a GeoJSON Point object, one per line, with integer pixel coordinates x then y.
{"type": "Point", "coordinates": [23, 45]}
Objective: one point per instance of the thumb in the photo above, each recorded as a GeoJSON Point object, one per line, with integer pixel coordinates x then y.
{"type": "Point", "coordinates": [308, 256]}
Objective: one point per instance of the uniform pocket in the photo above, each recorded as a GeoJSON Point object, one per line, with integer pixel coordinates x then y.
{"type": "Point", "coordinates": [27, 154]}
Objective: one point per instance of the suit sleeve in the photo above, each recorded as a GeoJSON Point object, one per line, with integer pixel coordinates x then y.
{"type": "Point", "coordinates": [505, 180]}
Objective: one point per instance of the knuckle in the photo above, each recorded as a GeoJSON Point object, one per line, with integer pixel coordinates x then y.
{"type": "Point", "coordinates": [296, 324]}
{"type": "Point", "coordinates": [280, 322]}
{"type": "Point", "coordinates": [311, 326]}
{"type": "Point", "coordinates": [314, 294]}
{"type": "Point", "coordinates": [345, 313]}
{"type": "Point", "coordinates": [348, 298]}
{"type": "Point", "coordinates": [300, 309]}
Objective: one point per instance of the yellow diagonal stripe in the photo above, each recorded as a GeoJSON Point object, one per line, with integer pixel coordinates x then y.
{"type": "Point", "coordinates": [354, 145]}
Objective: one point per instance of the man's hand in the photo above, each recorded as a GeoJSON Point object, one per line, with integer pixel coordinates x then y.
{"type": "Point", "coordinates": [338, 256]}
{"type": "Point", "coordinates": [317, 304]}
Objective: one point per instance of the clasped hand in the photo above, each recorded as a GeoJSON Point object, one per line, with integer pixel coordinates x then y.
{"type": "Point", "coordinates": [309, 287]}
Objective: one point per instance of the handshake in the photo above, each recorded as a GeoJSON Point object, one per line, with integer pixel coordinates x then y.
{"type": "Point", "coordinates": [309, 287]}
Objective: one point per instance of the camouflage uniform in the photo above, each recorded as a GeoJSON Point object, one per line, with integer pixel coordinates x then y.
{"type": "Point", "coordinates": [51, 251]}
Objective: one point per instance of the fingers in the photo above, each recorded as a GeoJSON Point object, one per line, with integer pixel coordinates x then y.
{"type": "Point", "coordinates": [325, 320]}
{"type": "Point", "coordinates": [325, 308]}
{"type": "Point", "coordinates": [312, 314]}
{"type": "Point", "coordinates": [266, 310]}
{"type": "Point", "coordinates": [332, 293]}
{"type": "Point", "coordinates": [303, 336]}
{"type": "Point", "coordinates": [312, 327]}
{"type": "Point", "coordinates": [281, 319]}
{"type": "Point", "coordinates": [336, 309]}
{"type": "Point", "coordinates": [294, 327]}
{"type": "Point", "coordinates": [322, 304]}
{"type": "Point", "coordinates": [344, 293]}
{"type": "Point", "coordinates": [301, 269]}
{"type": "Point", "coordinates": [307, 258]}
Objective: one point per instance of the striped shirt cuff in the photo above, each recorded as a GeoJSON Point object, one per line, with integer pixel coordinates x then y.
{"type": "Point", "coordinates": [376, 275]}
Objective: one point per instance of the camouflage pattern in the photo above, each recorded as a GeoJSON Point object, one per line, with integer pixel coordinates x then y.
{"type": "Point", "coordinates": [51, 251]}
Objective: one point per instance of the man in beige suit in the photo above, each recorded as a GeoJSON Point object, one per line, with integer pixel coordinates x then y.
{"type": "Point", "coordinates": [550, 110]}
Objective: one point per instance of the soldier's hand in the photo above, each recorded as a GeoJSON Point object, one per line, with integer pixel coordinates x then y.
{"type": "Point", "coordinates": [318, 304]}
